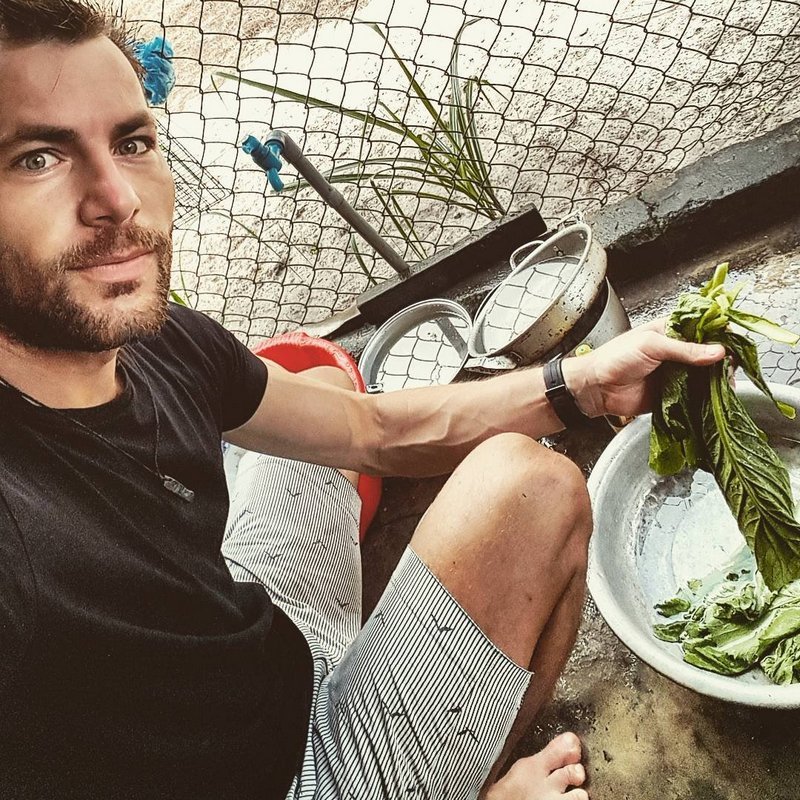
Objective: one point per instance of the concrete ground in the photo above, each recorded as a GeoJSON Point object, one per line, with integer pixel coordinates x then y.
{"type": "Point", "coordinates": [645, 737]}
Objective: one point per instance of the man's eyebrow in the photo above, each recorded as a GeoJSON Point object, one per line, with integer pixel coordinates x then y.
{"type": "Point", "coordinates": [38, 133]}
{"type": "Point", "coordinates": [56, 135]}
{"type": "Point", "coordinates": [143, 120]}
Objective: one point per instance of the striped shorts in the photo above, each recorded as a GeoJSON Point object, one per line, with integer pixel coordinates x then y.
{"type": "Point", "coordinates": [417, 702]}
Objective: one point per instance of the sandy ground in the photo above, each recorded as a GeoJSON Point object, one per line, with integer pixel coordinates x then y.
{"type": "Point", "coordinates": [595, 97]}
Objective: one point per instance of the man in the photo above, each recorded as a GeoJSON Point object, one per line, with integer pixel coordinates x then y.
{"type": "Point", "coordinates": [132, 664]}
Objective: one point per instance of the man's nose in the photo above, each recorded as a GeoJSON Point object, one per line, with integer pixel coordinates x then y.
{"type": "Point", "coordinates": [109, 197]}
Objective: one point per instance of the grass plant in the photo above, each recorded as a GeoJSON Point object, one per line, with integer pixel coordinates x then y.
{"type": "Point", "coordinates": [441, 162]}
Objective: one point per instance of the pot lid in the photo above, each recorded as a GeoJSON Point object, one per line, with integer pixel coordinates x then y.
{"type": "Point", "coordinates": [422, 345]}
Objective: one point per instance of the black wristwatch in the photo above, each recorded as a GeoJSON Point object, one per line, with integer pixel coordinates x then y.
{"type": "Point", "coordinates": [555, 390]}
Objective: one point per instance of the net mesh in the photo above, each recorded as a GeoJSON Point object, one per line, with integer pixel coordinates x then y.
{"type": "Point", "coordinates": [562, 104]}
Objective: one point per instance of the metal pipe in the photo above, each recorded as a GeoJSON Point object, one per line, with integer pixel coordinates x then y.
{"type": "Point", "coordinates": [288, 148]}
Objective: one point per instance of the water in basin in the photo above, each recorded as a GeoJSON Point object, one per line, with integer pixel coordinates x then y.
{"type": "Point", "coordinates": [684, 529]}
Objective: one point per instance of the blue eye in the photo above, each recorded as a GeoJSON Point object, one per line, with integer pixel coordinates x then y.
{"type": "Point", "coordinates": [37, 162]}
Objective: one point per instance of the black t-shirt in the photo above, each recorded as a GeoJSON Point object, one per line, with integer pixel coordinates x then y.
{"type": "Point", "coordinates": [131, 664]}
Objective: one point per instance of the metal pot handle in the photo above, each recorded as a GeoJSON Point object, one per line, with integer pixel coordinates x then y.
{"type": "Point", "coordinates": [489, 365]}
{"type": "Point", "coordinates": [522, 251]}
{"type": "Point", "coordinates": [573, 218]}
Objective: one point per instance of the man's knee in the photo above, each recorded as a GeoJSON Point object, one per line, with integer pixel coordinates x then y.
{"type": "Point", "coordinates": [515, 475]}
{"type": "Point", "coordinates": [508, 536]}
{"type": "Point", "coordinates": [514, 467]}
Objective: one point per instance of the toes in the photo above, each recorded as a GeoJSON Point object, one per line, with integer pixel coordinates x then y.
{"type": "Point", "coordinates": [561, 751]}
{"type": "Point", "coordinates": [569, 775]}
{"type": "Point", "coordinates": [547, 774]}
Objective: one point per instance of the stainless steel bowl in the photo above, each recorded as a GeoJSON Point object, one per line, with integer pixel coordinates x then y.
{"type": "Point", "coordinates": [652, 534]}
{"type": "Point", "coordinates": [544, 297]}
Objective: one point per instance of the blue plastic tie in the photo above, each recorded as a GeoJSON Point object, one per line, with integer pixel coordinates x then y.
{"type": "Point", "coordinates": [267, 157]}
{"type": "Point", "coordinates": [155, 57]}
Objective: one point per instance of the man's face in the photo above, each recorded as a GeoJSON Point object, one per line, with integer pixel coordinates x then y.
{"type": "Point", "coordinates": [86, 200]}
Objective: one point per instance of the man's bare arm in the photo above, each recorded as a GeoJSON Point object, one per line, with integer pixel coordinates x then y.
{"type": "Point", "coordinates": [427, 431]}
{"type": "Point", "coordinates": [415, 432]}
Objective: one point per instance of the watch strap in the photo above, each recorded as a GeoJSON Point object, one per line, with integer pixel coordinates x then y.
{"type": "Point", "coordinates": [558, 395]}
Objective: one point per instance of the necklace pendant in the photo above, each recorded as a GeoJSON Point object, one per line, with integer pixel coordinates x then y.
{"type": "Point", "coordinates": [176, 487]}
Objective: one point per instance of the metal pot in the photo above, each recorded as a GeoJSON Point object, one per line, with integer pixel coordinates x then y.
{"type": "Point", "coordinates": [559, 310]}
{"type": "Point", "coordinates": [546, 295]}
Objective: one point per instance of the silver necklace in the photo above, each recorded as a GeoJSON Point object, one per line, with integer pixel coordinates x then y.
{"type": "Point", "coordinates": [171, 484]}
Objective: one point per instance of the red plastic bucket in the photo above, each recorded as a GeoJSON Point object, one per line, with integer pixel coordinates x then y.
{"type": "Point", "coordinates": [297, 352]}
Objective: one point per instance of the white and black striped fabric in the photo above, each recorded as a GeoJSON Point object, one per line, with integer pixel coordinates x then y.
{"type": "Point", "coordinates": [419, 702]}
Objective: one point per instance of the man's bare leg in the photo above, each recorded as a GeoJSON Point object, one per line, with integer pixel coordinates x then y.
{"type": "Point", "coordinates": [508, 536]}
{"type": "Point", "coordinates": [514, 514]}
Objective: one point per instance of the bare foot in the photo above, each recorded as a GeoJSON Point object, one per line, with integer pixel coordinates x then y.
{"type": "Point", "coordinates": [546, 775]}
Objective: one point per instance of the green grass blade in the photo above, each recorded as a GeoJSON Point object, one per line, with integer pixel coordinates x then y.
{"type": "Point", "coordinates": [432, 152]}
{"type": "Point", "coordinates": [481, 165]}
{"type": "Point", "coordinates": [450, 154]}
{"type": "Point", "coordinates": [473, 167]}
{"type": "Point", "coordinates": [316, 102]}
{"type": "Point", "coordinates": [412, 239]}
{"type": "Point", "coordinates": [360, 259]}
{"type": "Point", "coordinates": [439, 123]}
{"type": "Point", "coordinates": [448, 200]}
{"type": "Point", "coordinates": [401, 222]}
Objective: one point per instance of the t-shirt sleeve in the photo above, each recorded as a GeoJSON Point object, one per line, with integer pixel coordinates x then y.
{"type": "Point", "coordinates": [238, 378]}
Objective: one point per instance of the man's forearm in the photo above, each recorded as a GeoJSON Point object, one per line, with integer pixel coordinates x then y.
{"type": "Point", "coordinates": [428, 431]}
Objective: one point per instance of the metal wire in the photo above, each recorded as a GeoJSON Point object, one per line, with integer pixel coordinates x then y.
{"type": "Point", "coordinates": [196, 190]}
{"type": "Point", "coordinates": [580, 104]}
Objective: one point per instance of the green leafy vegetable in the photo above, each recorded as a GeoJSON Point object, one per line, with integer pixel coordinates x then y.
{"type": "Point", "coordinates": [782, 665]}
{"type": "Point", "coordinates": [739, 624]}
{"type": "Point", "coordinates": [700, 422]}
{"type": "Point", "coordinates": [671, 631]}
{"type": "Point", "coordinates": [732, 646]}
{"type": "Point", "coordinates": [669, 608]}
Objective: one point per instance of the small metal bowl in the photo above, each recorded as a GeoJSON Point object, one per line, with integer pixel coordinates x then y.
{"type": "Point", "coordinates": [653, 533]}
{"type": "Point", "coordinates": [424, 344]}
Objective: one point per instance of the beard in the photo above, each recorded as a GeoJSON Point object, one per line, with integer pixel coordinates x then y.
{"type": "Point", "coordinates": [38, 310]}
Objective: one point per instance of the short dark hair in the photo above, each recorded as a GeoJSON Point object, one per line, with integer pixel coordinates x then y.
{"type": "Point", "coordinates": [27, 22]}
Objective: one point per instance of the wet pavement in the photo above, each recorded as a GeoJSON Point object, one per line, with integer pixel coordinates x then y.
{"type": "Point", "coordinates": [645, 737]}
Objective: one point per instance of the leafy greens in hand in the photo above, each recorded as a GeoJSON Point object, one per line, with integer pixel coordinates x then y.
{"type": "Point", "coordinates": [699, 422]}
